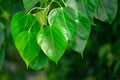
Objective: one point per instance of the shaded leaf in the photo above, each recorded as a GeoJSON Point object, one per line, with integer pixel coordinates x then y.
{"type": "Point", "coordinates": [84, 28]}
{"type": "Point", "coordinates": [106, 11]}
{"type": "Point", "coordinates": [28, 4]}
{"type": "Point", "coordinates": [39, 62]}
{"type": "Point", "coordinates": [86, 7]}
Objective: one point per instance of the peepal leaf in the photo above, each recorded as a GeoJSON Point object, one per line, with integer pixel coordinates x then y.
{"type": "Point", "coordinates": [28, 4]}
{"type": "Point", "coordinates": [39, 62]}
{"type": "Point", "coordinates": [66, 19]}
{"type": "Point", "coordinates": [77, 26]}
{"type": "Point", "coordinates": [23, 21]}
{"type": "Point", "coordinates": [27, 46]}
{"type": "Point", "coordinates": [106, 11]}
{"type": "Point", "coordinates": [52, 41]}
{"type": "Point", "coordinates": [84, 28]}
{"type": "Point", "coordinates": [86, 7]}
{"type": "Point", "coordinates": [24, 30]}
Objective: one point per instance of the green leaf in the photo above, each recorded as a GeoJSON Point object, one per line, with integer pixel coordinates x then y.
{"type": "Point", "coordinates": [24, 28]}
{"type": "Point", "coordinates": [22, 21]}
{"type": "Point", "coordinates": [2, 56]}
{"type": "Point", "coordinates": [107, 9]}
{"type": "Point", "coordinates": [77, 28]}
{"type": "Point", "coordinates": [28, 4]}
{"type": "Point", "coordinates": [27, 46]}
{"type": "Point", "coordinates": [86, 7]}
{"type": "Point", "coordinates": [84, 28]}
{"type": "Point", "coordinates": [52, 41]}
{"type": "Point", "coordinates": [39, 62]}
{"type": "Point", "coordinates": [64, 18]}
{"type": "Point", "coordinates": [42, 17]}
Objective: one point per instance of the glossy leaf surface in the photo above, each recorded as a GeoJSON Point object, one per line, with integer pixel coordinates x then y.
{"type": "Point", "coordinates": [65, 18]}
{"type": "Point", "coordinates": [23, 21]}
{"type": "Point", "coordinates": [24, 30]}
{"type": "Point", "coordinates": [52, 41]}
{"type": "Point", "coordinates": [27, 46]}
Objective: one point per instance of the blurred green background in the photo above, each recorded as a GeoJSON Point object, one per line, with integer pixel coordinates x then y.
{"type": "Point", "coordinates": [101, 59]}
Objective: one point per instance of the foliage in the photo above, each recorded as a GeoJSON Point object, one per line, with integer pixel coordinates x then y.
{"type": "Point", "coordinates": [67, 25]}
{"type": "Point", "coordinates": [63, 27]}
{"type": "Point", "coordinates": [49, 29]}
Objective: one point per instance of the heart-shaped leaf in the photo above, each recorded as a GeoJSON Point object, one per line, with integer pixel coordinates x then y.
{"type": "Point", "coordinates": [52, 41]}
{"type": "Point", "coordinates": [78, 28]}
{"type": "Point", "coordinates": [27, 46]}
{"type": "Point", "coordinates": [24, 30]}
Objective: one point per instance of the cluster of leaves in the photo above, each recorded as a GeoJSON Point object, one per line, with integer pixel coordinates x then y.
{"type": "Point", "coordinates": [47, 30]}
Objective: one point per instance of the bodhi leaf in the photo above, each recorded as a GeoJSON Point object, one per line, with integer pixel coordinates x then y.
{"type": "Point", "coordinates": [84, 28]}
{"type": "Point", "coordinates": [106, 11]}
{"type": "Point", "coordinates": [52, 41]}
{"type": "Point", "coordinates": [86, 7]}
{"type": "Point", "coordinates": [39, 62]}
{"type": "Point", "coordinates": [77, 27]}
{"type": "Point", "coordinates": [24, 30]}
{"type": "Point", "coordinates": [27, 46]}
{"type": "Point", "coordinates": [65, 18]}
{"type": "Point", "coordinates": [28, 4]}
{"type": "Point", "coordinates": [22, 21]}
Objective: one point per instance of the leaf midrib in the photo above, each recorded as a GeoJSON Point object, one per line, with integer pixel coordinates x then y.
{"type": "Point", "coordinates": [52, 40]}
